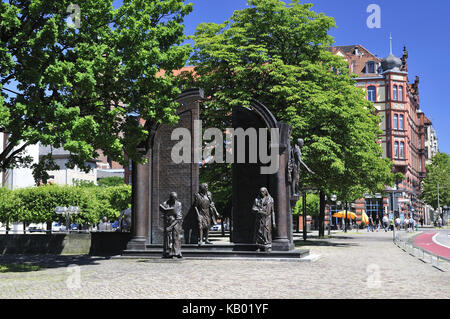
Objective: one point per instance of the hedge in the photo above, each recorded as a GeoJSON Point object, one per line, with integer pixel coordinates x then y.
{"type": "Point", "coordinates": [37, 204]}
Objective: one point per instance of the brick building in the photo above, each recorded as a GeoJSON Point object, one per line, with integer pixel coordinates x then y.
{"type": "Point", "coordinates": [386, 84]}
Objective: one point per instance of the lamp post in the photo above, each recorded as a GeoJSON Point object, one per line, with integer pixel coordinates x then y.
{"type": "Point", "coordinates": [333, 199]}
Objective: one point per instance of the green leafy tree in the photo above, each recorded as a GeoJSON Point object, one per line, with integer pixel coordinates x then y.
{"type": "Point", "coordinates": [276, 52]}
{"type": "Point", "coordinates": [37, 204]}
{"type": "Point", "coordinates": [438, 175]}
{"type": "Point", "coordinates": [79, 78]}
{"type": "Point", "coordinates": [312, 205]}
{"type": "Point", "coordinates": [111, 181]}
{"type": "Point", "coordinates": [11, 207]}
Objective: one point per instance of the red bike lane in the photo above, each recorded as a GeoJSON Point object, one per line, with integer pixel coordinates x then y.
{"type": "Point", "coordinates": [425, 241]}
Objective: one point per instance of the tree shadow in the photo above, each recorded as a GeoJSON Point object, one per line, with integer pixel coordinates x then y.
{"type": "Point", "coordinates": [322, 242]}
{"type": "Point", "coordinates": [23, 263]}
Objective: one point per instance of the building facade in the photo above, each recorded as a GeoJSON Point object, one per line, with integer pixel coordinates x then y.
{"type": "Point", "coordinates": [396, 100]}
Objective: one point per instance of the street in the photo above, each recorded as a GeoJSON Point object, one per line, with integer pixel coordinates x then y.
{"type": "Point", "coordinates": [353, 265]}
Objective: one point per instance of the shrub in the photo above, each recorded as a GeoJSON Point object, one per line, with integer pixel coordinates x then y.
{"type": "Point", "coordinates": [37, 204]}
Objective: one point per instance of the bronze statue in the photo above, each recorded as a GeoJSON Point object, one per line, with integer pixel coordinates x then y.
{"type": "Point", "coordinates": [265, 220]}
{"type": "Point", "coordinates": [172, 215]}
{"type": "Point", "coordinates": [125, 220]}
{"type": "Point", "coordinates": [295, 159]}
{"type": "Point", "coordinates": [206, 213]}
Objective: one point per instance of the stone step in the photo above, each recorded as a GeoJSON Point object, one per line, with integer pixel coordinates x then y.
{"type": "Point", "coordinates": [212, 247]}
{"type": "Point", "coordinates": [202, 253]}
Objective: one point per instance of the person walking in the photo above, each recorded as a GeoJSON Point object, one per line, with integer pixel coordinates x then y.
{"type": "Point", "coordinates": [370, 228]}
{"type": "Point", "coordinates": [440, 222]}
{"type": "Point", "coordinates": [385, 223]}
{"type": "Point", "coordinates": [398, 222]}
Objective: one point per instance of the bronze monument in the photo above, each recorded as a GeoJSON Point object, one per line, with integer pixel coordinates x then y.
{"type": "Point", "coordinates": [265, 220]}
{"type": "Point", "coordinates": [206, 213]}
{"type": "Point", "coordinates": [173, 216]}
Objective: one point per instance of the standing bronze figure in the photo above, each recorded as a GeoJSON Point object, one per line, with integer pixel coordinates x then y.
{"type": "Point", "coordinates": [265, 220]}
{"type": "Point", "coordinates": [206, 213]}
{"type": "Point", "coordinates": [295, 161]}
{"type": "Point", "coordinates": [172, 215]}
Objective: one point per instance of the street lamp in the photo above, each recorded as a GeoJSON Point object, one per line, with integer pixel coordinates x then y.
{"type": "Point", "coordinates": [333, 199]}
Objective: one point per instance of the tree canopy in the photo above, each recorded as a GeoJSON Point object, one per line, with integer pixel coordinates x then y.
{"type": "Point", "coordinates": [278, 53]}
{"type": "Point", "coordinates": [78, 79]}
{"type": "Point", "coordinates": [438, 175]}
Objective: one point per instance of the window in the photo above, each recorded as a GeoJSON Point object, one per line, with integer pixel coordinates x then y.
{"type": "Point", "coordinates": [396, 150]}
{"type": "Point", "coordinates": [400, 93]}
{"type": "Point", "coordinates": [374, 208]}
{"type": "Point", "coordinates": [395, 93]}
{"type": "Point", "coordinates": [370, 67]}
{"type": "Point", "coordinates": [372, 93]}
{"type": "Point", "coordinates": [400, 122]}
{"type": "Point", "coordinates": [402, 150]}
{"type": "Point", "coordinates": [395, 121]}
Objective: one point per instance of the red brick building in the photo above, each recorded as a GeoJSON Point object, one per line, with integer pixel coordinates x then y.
{"type": "Point", "coordinates": [386, 84]}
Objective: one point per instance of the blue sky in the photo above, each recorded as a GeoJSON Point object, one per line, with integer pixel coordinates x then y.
{"type": "Point", "coordinates": [422, 26]}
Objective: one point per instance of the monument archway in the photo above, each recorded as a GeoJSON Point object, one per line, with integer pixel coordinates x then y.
{"type": "Point", "coordinates": [153, 182]}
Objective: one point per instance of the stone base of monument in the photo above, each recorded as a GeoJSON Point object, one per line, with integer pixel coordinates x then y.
{"type": "Point", "coordinates": [219, 251]}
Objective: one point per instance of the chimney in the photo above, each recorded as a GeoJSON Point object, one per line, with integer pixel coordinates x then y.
{"type": "Point", "coordinates": [404, 60]}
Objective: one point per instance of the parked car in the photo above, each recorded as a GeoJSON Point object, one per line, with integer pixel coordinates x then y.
{"type": "Point", "coordinates": [218, 227]}
{"type": "Point", "coordinates": [115, 225]}
{"type": "Point", "coordinates": [74, 226]}
{"type": "Point", "coordinates": [35, 229]}
{"type": "Point", "coordinates": [57, 227]}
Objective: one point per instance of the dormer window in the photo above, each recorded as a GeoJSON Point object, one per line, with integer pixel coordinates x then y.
{"type": "Point", "coordinates": [371, 67]}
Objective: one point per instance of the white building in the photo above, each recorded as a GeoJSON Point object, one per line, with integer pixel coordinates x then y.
{"type": "Point", "coordinates": [431, 141]}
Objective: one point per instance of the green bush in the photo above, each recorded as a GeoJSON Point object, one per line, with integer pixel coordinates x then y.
{"type": "Point", "coordinates": [37, 204]}
{"type": "Point", "coordinates": [312, 205]}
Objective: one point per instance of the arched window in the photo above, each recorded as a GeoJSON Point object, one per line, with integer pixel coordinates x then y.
{"type": "Point", "coordinates": [372, 93]}
{"type": "Point", "coordinates": [400, 93]}
{"type": "Point", "coordinates": [395, 149]}
{"type": "Point", "coordinates": [395, 93]}
{"type": "Point", "coordinates": [402, 150]}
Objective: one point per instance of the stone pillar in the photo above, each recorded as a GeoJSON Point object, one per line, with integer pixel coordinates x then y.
{"type": "Point", "coordinates": [140, 214]}
{"type": "Point", "coordinates": [282, 237]}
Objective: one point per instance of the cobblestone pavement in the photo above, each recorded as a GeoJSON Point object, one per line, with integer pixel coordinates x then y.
{"type": "Point", "coordinates": [352, 265]}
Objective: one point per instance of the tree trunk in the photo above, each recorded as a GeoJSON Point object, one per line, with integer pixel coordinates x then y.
{"type": "Point", "coordinates": [346, 220]}
{"type": "Point", "coordinates": [24, 227]}
{"type": "Point", "coordinates": [49, 228]}
{"type": "Point", "coordinates": [322, 214]}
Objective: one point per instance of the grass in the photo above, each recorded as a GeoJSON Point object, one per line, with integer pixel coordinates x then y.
{"type": "Point", "coordinates": [4, 268]}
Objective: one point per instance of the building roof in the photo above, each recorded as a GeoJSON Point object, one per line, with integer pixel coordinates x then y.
{"type": "Point", "coordinates": [357, 57]}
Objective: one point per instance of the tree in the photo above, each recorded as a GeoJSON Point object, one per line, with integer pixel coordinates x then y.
{"type": "Point", "coordinates": [277, 53]}
{"type": "Point", "coordinates": [79, 76]}
{"type": "Point", "coordinates": [111, 181]}
{"type": "Point", "coordinates": [438, 173]}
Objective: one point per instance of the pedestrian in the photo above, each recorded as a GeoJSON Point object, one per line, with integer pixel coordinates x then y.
{"type": "Point", "coordinates": [385, 223]}
{"type": "Point", "coordinates": [370, 228]}
{"type": "Point", "coordinates": [398, 221]}
{"type": "Point", "coordinates": [440, 222]}
{"type": "Point", "coordinates": [412, 223]}
{"type": "Point", "coordinates": [406, 223]}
